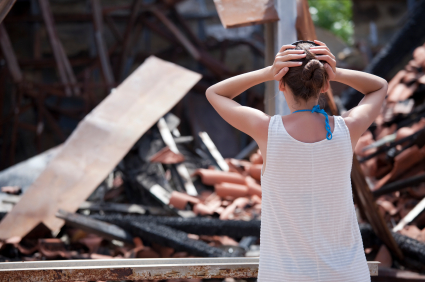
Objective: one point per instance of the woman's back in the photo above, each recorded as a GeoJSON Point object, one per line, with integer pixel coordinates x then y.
{"type": "Point", "coordinates": [309, 230]}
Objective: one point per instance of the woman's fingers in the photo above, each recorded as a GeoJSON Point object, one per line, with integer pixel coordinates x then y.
{"type": "Point", "coordinates": [326, 58]}
{"type": "Point", "coordinates": [281, 73]}
{"type": "Point", "coordinates": [330, 71]}
{"type": "Point", "coordinates": [329, 60]}
{"type": "Point", "coordinates": [283, 58]}
{"type": "Point", "coordinates": [320, 43]}
{"type": "Point", "coordinates": [284, 47]}
{"type": "Point", "coordinates": [287, 52]}
{"type": "Point", "coordinates": [323, 51]}
{"type": "Point", "coordinates": [281, 65]}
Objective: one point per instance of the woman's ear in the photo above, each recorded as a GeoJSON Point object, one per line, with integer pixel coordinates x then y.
{"type": "Point", "coordinates": [325, 87]}
{"type": "Point", "coordinates": [281, 85]}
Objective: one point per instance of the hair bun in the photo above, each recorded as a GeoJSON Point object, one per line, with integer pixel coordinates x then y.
{"type": "Point", "coordinates": [313, 73]}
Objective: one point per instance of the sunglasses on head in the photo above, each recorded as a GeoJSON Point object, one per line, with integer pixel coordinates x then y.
{"type": "Point", "coordinates": [304, 41]}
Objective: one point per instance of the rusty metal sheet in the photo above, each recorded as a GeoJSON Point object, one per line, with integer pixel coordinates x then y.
{"type": "Point", "coordinates": [136, 269]}
{"type": "Point", "coordinates": [99, 142]}
{"type": "Point", "coordinates": [242, 13]}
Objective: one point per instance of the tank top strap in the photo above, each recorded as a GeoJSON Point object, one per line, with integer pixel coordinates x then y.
{"type": "Point", "coordinates": [273, 136]}
{"type": "Point", "coordinates": [342, 128]}
{"type": "Point", "coordinates": [276, 130]}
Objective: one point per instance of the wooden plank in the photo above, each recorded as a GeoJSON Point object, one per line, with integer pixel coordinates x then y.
{"type": "Point", "coordinates": [5, 6]}
{"type": "Point", "coordinates": [99, 142]}
{"type": "Point", "coordinates": [242, 13]}
{"type": "Point", "coordinates": [100, 44]}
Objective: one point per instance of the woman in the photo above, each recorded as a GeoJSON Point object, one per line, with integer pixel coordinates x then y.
{"type": "Point", "coordinates": [309, 230]}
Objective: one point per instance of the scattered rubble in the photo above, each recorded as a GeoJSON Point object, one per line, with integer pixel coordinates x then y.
{"type": "Point", "coordinates": [391, 155]}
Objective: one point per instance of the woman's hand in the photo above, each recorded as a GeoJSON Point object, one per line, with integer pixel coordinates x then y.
{"type": "Point", "coordinates": [324, 54]}
{"type": "Point", "coordinates": [282, 62]}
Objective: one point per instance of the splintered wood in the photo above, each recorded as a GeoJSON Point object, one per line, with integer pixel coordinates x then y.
{"type": "Point", "coordinates": [99, 142]}
{"type": "Point", "coordinates": [242, 13]}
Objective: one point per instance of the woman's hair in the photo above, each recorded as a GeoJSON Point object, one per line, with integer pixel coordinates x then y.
{"type": "Point", "coordinates": [306, 80]}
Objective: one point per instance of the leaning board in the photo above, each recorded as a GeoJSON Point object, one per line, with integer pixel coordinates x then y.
{"type": "Point", "coordinates": [242, 13]}
{"type": "Point", "coordinates": [99, 142]}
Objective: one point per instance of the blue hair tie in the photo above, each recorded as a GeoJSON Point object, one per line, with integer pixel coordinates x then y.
{"type": "Point", "coordinates": [317, 109]}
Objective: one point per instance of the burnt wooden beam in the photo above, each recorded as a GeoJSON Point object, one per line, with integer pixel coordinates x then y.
{"type": "Point", "coordinates": [114, 29]}
{"type": "Point", "coordinates": [417, 138]}
{"type": "Point", "coordinates": [9, 55]}
{"type": "Point", "coordinates": [191, 49]}
{"type": "Point", "coordinates": [193, 225]}
{"type": "Point", "coordinates": [5, 6]}
{"type": "Point", "coordinates": [403, 42]}
{"type": "Point", "coordinates": [64, 68]}
{"type": "Point", "coordinates": [200, 55]}
{"type": "Point", "coordinates": [181, 21]}
{"type": "Point", "coordinates": [90, 225]}
{"type": "Point", "coordinates": [169, 237]}
{"type": "Point", "coordinates": [100, 44]}
{"type": "Point", "coordinates": [134, 12]}
{"type": "Point", "coordinates": [369, 208]}
{"type": "Point", "coordinates": [413, 250]}
{"type": "Point", "coordinates": [399, 185]}
{"type": "Point", "coordinates": [122, 208]}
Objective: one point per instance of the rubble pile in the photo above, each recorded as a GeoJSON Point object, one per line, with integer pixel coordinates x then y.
{"type": "Point", "coordinates": [392, 154]}
{"type": "Point", "coordinates": [142, 209]}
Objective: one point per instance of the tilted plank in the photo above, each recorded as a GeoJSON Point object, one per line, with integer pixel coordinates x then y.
{"type": "Point", "coordinates": [99, 142]}
{"type": "Point", "coordinates": [242, 13]}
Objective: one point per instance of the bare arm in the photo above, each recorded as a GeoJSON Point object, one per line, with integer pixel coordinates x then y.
{"type": "Point", "coordinates": [359, 118]}
{"type": "Point", "coordinates": [249, 120]}
{"type": "Point", "coordinates": [246, 119]}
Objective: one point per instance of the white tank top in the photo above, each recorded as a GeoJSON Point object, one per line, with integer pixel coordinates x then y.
{"type": "Point", "coordinates": [309, 229]}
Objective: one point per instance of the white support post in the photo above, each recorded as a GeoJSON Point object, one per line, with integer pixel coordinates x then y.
{"type": "Point", "coordinates": [278, 34]}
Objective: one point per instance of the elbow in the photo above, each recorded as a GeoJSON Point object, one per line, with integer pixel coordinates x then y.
{"type": "Point", "coordinates": [384, 86]}
{"type": "Point", "coordinates": [208, 93]}
{"type": "Point", "coordinates": [384, 83]}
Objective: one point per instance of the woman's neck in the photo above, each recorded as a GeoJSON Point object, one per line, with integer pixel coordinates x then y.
{"type": "Point", "coordinates": [302, 104]}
